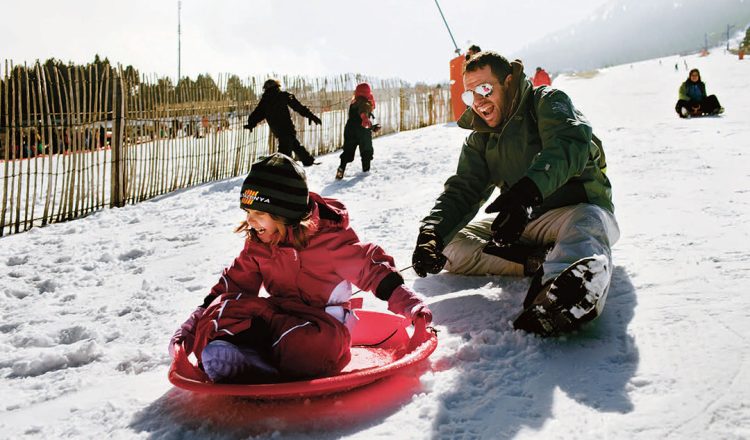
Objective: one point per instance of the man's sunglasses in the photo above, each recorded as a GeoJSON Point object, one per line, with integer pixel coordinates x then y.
{"type": "Point", "coordinates": [483, 90]}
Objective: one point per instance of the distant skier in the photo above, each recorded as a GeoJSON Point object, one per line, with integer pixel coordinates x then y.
{"type": "Point", "coordinates": [540, 151]}
{"type": "Point", "coordinates": [693, 100]}
{"type": "Point", "coordinates": [541, 78]}
{"type": "Point", "coordinates": [274, 108]}
{"type": "Point", "coordinates": [471, 51]}
{"type": "Point", "coordinates": [358, 129]}
{"type": "Point", "coordinates": [300, 248]}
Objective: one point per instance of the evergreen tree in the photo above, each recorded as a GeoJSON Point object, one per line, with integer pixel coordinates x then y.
{"type": "Point", "coordinates": [237, 91]}
{"type": "Point", "coordinates": [207, 89]}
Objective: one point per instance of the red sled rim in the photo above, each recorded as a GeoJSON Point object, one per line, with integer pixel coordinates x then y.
{"type": "Point", "coordinates": [381, 347]}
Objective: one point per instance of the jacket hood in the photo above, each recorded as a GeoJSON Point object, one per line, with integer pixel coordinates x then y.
{"type": "Point", "coordinates": [329, 213]}
{"type": "Point", "coordinates": [363, 89]}
{"type": "Point", "coordinates": [364, 92]}
{"type": "Point", "coordinates": [519, 90]}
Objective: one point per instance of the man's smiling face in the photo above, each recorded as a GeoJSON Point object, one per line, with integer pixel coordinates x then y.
{"type": "Point", "coordinates": [489, 108]}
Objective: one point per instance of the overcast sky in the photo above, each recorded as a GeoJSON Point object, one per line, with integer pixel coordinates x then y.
{"type": "Point", "coordinates": [385, 38]}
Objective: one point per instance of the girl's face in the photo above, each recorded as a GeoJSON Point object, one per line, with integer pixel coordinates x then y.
{"type": "Point", "coordinates": [266, 228]}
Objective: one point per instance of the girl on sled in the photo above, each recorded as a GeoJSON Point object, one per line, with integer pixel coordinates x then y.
{"type": "Point", "coordinates": [300, 248]}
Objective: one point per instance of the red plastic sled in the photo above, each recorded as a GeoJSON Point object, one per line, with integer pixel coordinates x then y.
{"type": "Point", "coordinates": [381, 346]}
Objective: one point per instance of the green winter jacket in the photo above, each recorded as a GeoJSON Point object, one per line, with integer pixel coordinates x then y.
{"type": "Point", "coordinates": [682, 94]}
{"type": "Point", "coordinates": [544, 138]}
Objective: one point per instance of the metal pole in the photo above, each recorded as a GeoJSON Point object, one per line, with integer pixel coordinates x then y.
{"type": "Point", "coordinates": [729, 27]}
{"type": "Point", "coordinates": [179, 8]}
{"type": "Point", "coordinates": [458, 51]}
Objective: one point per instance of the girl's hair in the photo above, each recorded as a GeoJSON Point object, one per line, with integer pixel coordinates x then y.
{"type": "Point", "coordinates": [696, 71]}
{"type": "Point", "coordinates": [298, 232]}
{"type": "Point", "coordinates": [364, 105]}
{"type": "Point", "coordinates": [363, 92]}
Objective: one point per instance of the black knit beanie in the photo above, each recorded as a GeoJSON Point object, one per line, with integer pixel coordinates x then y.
{"type": "Point", "coordinates": [276, 185]}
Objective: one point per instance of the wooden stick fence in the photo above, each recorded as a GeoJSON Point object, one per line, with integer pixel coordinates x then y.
{"type": "Point", "coordinates": [75, 140]}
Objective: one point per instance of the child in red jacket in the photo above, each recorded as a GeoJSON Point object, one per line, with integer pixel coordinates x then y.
{"type": "Point", "coordinates": [541, 78]}
{"type": "Point", "coordinates": [300, 248]}
{"type": "Point", "coordinates": [358, 129]}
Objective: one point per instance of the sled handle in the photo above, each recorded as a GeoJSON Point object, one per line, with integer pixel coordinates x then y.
{"type": "Point", "coordinates": [180, 354]}
{"type": "Point", "coordinates": [420, 334]}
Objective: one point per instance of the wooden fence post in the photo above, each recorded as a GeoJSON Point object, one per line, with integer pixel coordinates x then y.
{"type": "Point", "coordinates": [117, 141]}
{"type": "Point", "coordinates": [431, 109]}
{"type": "Point", "coordinates": [401, 109]}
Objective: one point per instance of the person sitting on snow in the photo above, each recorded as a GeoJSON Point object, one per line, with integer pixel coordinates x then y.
{"type": "Point", "coordinates": [693, 100]}
{"type": "Point", "coordinates": [539, 150]}
{"type": "Point", "coordinates": [300, 248]}
{"type": "Point", "coordinates": [274, 108]}
{"type": "Point", "coordinates": [541, 78]}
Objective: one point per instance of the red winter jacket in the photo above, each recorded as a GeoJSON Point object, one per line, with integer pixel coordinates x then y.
{"type": "Point", "coordinates": [333, 258]}
{"type": "Point", "coordinates": [301, 283]}
{"type": "Point", "coordinates": [541, 78]}
{"type": "Point", "coordinates": [363, 103]}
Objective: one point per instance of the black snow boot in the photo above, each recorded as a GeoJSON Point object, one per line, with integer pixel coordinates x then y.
{"type": "Point", "coordinates": [562, 305]}
{"type": "Point", "coordinates": [365, 165]}
{"type": "Point", "coordinates": [340, 172]}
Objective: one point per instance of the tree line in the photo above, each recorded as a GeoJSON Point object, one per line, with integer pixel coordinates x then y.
{"type": "Point", "coordinates": [67, 87]}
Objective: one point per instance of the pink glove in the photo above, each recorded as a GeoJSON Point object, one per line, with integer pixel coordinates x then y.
{"type": "Point", "coordinates": [405, 301]}
{"type": "Point", "coordinates": [186, 332]}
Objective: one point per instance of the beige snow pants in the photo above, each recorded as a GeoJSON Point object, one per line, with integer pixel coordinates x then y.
{"type": "Point", "coordinates": [577, 231]}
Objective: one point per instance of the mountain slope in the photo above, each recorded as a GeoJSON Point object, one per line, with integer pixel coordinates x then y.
{"type": "Point", "coordinates": [624, 31]}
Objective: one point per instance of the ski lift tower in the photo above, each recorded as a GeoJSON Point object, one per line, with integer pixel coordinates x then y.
{"type": "Point", "coordinates": [456, 73]}
{"type": "Point", "coordinates": [179, 49]}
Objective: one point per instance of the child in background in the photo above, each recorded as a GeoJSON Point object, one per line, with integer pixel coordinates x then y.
{"type": "Point", "coordinates": [541, 78]}
{"type": "Point", "coordinates": [274, 107]}
{"type": "Point", "coordinates": [300, 248]}
{"type": "Point", "coordinates": [358, 129]}
{"type": "Point", "coordinates": [693, 100]}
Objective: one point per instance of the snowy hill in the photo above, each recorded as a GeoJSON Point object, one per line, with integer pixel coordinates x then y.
{"type": "Point", "coordinates": [624, 31]}
{"type": "Point", "coordinates": [88, 306]}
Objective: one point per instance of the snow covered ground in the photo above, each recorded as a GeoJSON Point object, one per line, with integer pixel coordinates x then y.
{"type": "Point", "coordinates": [88, 306]}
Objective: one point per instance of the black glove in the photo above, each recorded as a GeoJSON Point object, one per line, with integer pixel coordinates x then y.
{"type": "Point", "coordinates": [248, 127]}
{"type": "Point", "coordinates": [530, 256]}
{"type": "Point", "coordinates": [376, 128]}
{"type": "Point", "coordinates": [427, 257]}
{"type": "Point", "coordinates": [314, 119]}
{"type": "Point", "coordinates": [512, 207]}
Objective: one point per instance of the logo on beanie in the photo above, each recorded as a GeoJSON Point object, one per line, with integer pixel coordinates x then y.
{"type": "Point", "coordinates": [249, 196]}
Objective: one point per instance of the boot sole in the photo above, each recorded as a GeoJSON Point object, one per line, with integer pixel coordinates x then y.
{"type": "Point", "coordinates": [585, 282]}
